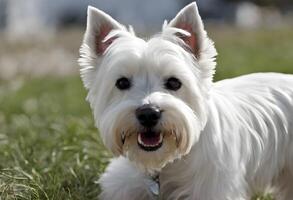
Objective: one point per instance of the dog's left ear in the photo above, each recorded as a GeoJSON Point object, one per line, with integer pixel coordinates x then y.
{"type": "Point", "coordinates": [189, 20]}
{"type": "Point", "coordinates": [188, 27]}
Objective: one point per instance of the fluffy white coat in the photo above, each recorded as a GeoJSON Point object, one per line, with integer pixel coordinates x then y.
{"type": "Point", "coordinates": [236, 135]}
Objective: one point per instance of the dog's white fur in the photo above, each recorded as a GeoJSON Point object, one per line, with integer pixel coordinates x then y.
{"type": "Point", "coordinates": [223, 141]}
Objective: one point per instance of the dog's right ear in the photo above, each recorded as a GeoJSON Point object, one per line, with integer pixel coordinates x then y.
{"type": "Point", "coordinates": [99, 25]}
{"type": "Point", "coordinates": [95, 42]}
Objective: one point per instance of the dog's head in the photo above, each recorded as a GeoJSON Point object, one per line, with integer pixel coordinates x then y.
{"type": "Point", "coordinates": [148, 96]}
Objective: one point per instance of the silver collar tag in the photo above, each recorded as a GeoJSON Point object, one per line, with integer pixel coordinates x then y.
{"type": "Point", "coordinates": [154, 185]}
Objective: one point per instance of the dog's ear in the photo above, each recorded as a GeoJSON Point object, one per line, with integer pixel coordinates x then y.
{"type": "Point", "coordinates": [97, 39]}
{"type": "Point", "coordinates": [189, 20]}
{"type": "Point", "coordinates": [188, 27]}
{"type": "Point", "coordinates": [99, 25]}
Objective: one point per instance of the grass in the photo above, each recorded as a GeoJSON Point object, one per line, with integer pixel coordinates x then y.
{"type": "Point", "coordinates": [242, 52]}
{"type": "Point", "coordinates": [49, 147]}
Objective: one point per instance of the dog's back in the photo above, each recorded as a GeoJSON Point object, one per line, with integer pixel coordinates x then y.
{"type": "Point", "coordinates": [264, 106]}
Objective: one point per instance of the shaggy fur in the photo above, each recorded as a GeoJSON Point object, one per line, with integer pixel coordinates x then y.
{"type": "Point", "coordinates": [222, 141]}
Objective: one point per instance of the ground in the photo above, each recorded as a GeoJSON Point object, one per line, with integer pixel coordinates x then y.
{"type": "Point", "coordinates": [49, 147]}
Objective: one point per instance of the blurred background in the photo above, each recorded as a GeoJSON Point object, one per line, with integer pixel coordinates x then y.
{"type": "Point", "coordinates": [41, 37]}
{"type": "Point", "coordinates": [49, 148]}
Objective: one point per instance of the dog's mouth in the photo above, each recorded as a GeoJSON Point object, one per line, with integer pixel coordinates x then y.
{"type": "Point", "coordinates": [150, 140]}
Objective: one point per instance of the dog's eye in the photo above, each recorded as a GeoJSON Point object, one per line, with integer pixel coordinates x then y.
{"type": "Point", "coordinates": [173, 83]}
{"type": "Point", "coordinates": [123, 83]}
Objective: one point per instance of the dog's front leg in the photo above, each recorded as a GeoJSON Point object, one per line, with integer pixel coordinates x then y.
{"type": "Point", "coordinates": [123, 181]}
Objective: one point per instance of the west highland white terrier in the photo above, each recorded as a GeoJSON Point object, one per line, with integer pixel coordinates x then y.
{"type": "Point", "coordinates": [160, 113]}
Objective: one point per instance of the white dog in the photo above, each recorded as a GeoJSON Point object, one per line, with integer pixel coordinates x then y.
{"type": "Point", "coordinates": [158, 111]}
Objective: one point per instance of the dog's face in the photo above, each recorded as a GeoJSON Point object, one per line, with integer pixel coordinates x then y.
{"type": "Point", "coordinates": [148, 97]}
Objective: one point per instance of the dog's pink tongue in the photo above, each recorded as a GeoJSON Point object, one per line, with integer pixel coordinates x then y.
{"type": "Point", "coordinates": [150, 138]}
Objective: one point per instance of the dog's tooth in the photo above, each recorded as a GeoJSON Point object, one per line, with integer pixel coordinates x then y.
{"type": "Point", "coordinates": [161, 138]}
{"type": "Point", "coordinates": [139, 140]}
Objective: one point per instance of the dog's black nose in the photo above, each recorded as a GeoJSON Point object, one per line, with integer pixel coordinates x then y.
{"type": "Point", "coordinates": [148, 115]}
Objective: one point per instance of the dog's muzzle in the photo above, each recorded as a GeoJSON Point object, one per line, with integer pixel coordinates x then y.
{"type": "Point", "coordinates": [148, 116]}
